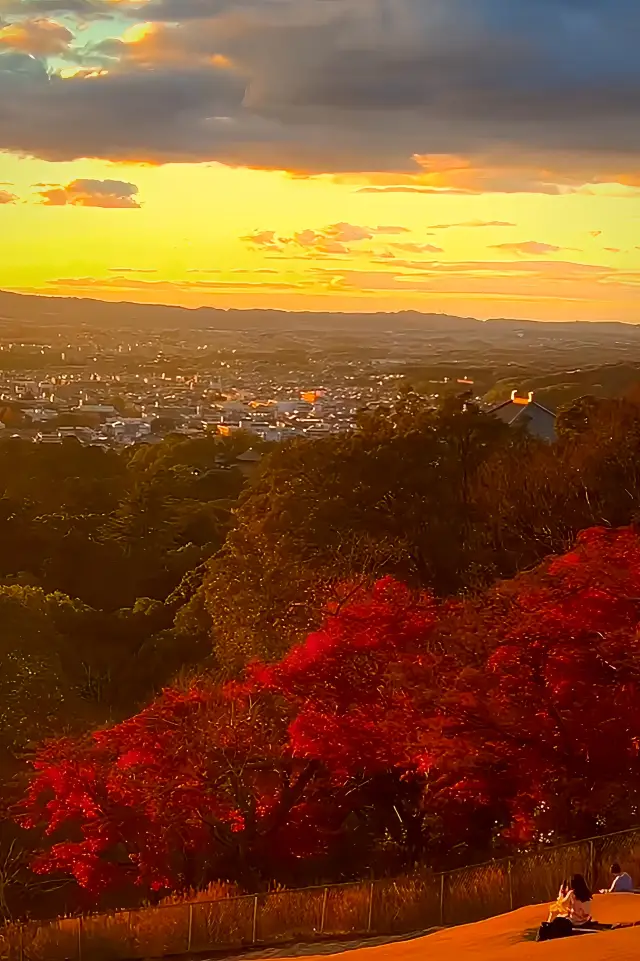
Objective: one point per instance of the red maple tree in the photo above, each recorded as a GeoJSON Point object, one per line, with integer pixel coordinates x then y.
{"type": "Point", "coordinates": [355, 686]}
{"type": "Point", "coordinates": [550, 720]}
{"type": "Point", "coordinates": [236, 774]}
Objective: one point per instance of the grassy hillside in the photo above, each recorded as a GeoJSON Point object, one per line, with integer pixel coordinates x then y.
{"type": "Point", "coordinates": [561, 387]}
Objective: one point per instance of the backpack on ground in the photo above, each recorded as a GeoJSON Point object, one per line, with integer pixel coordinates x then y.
{"type": "Point", "coordinates": [558, 928]}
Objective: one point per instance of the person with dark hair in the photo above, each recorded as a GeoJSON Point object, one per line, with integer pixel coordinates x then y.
{"type": "Point", "coordinates": [575, 904]}
{"type": "Point", "coordinates": [622, 881]}
{"type": "Point", "coordinates": [571, 914]}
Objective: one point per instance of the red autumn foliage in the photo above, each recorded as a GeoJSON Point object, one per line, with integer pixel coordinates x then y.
{"type": "Point", "coordinates": [552, 717]}
{"type": "Point", "coordinates": [234, 773]}
{"type": "Point", "coordinates": [513, 714]}
{"type": "Point", "coordinates": [356, 685]}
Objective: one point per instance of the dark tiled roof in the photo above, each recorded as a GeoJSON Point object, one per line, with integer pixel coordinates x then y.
{"type": "Point", "coordinates": [538, 420]}
{"type": "Point", "coordinates": [250, 456]}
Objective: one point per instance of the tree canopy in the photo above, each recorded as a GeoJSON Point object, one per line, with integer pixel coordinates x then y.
{"type": "Point", "coordinates": [445, 499]}
{"type": "Point", "coordinates": [404, 726]}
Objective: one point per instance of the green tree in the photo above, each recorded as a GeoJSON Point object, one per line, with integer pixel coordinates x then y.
{"type": "Point", "coordinates": [39, 695]}
{"type": "Point", "coordinates": [395, 496]}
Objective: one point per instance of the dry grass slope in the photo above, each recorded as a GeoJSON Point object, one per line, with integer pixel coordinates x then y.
{"type": "Point", "coordinates": [216, 920]}
{"type": "Point", "coordinates": [508, 938]}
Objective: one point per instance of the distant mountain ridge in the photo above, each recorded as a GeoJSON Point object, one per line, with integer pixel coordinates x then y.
{"type": "Point", "coordinates": [52, 310]}
{"type": "Point", "coordinates": [28, 306]}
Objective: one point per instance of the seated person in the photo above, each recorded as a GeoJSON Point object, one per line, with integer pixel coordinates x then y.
{"type": "Point", "coordinates": [574, 904]}
{"type": "Point", "coordinates": [621, 881]}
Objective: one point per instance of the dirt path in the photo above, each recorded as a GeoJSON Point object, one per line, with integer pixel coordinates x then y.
{"type": "Point", "coordinates": [319, 948]}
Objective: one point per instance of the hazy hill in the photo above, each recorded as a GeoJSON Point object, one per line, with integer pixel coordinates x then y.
{"type": "Point", "coordinates": [71, 310]}
{"type": "Point", "coordinates": [65, 311]}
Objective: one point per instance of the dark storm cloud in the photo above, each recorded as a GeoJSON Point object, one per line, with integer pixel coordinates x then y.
{"type": "Point", "coordinates": [82, 9]}
{"type": "Point", "coordinates": [157, 10]}
{"type": "Point", "coordinates": [339, 85]}
{"type": "Point", "coordinates": [136, 115]}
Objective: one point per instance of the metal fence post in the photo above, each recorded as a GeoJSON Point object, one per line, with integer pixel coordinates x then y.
{"type": "Point", "coordinates": [79, 939]}
{"type": "Point", "coordinates": [370, 918]}
{"type": "Point", "coordinates": [324, 910]}
{"type": "Point", "coordinates": [510, 884]}
{"type": "Point", "coordinates": [21, 942]}
{"type": "Point", "coordinates": [254, 935]}
{"type": "Point", "coordinates": [592, 864]}
{"type": "Point", "coordinates": [190, 934]}
{"type": "Point", "coordinates": [442, 900]}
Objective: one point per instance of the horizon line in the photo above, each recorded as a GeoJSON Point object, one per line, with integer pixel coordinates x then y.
{"type": "Point", "coordinates": [7, 292]}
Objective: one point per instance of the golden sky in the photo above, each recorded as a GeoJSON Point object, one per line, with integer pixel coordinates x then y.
{"type": "Point", "coordinates": [238, 161]}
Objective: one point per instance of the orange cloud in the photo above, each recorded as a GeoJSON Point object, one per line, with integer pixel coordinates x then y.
{"type": "Point", "coordinates": [418, 248]}
{"type": "Point", "coordinates": [479, 175]}
{"type": "Point", "coordinates": [528, 248]}
{"type": "Point", "coordinates": [472, 223]}
{"type": "Point", "coordinates": [509, 172]}
{"type": "Point", "coordinates": [406, 189]}
{"type": "Point", "coordinates": [534, 281]}
{"type": "Point", "coordinates": [155, 44]}
{"type": "Point", "coordinates": [327, 240]}
{"type": "Point", "coordinates": [133, 270]}
{"type": "Point", "coordinates": [204, 286]}
{"type": "Point", "coordinates": [38, 37]}
{"type": "Point", "coordinates": [92, 193]}
{"type": "Point", "coordinates": [6, 197]}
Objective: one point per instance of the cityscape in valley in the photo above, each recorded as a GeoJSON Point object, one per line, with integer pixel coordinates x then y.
{"type": "Point", "coordinates": [121, 374]}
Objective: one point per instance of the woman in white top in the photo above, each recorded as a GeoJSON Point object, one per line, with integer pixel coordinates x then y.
{"type": "Point", "coordinates": [574, 903]}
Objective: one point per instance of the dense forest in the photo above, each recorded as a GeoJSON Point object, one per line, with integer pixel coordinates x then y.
{"type": "Point", "coordinates": [99, 550]}
{"type": "Point", "coordinates": [318, 671]}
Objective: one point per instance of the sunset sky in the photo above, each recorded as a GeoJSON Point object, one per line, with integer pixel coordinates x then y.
{"type": "Point", "coordinates": [477, 157]}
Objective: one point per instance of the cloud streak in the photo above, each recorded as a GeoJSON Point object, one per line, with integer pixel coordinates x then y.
{"type": "Point", "coordinates": [471, 223]}
{"type": "Point", "coordinates": [418, 248]}
{"type": "Point", "coordinates": [169, 286]}
{"type": "Point", "coordinates": [528, 248]}
{"type": "Point", "coordinates": [513, 281]}
{"type": "Point", "coordinates": [332, 240]}
{"type": "Point", "coordinates": [110, 194]}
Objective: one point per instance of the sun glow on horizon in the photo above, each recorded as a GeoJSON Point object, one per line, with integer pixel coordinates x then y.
{"type": "Point", "coordinates": [244, 163]}
{"type": "Point", "coordinates": [214, 235]}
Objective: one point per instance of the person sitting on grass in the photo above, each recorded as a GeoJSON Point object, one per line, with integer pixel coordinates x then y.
{"type": "Point", "coordinates": [621, 881]}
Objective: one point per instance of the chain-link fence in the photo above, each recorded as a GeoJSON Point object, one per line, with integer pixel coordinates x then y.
{"type": "Point", "coordinates": [386, 907]}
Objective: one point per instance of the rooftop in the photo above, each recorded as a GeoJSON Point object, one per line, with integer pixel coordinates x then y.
{"type": "Point", "coordinates": [537, 419]}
